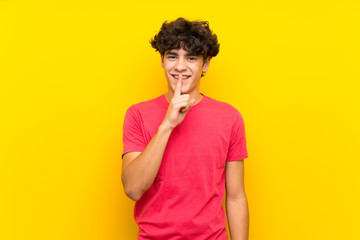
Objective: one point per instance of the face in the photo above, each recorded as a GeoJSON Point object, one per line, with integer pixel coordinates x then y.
{"type": "Point", "coordinates": [179, 64]}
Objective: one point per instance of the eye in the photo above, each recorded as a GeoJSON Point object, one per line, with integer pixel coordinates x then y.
{"type": "Point", "coordinates": [192, 58]}
{"type": "Point", "coordinates": [171, 57]}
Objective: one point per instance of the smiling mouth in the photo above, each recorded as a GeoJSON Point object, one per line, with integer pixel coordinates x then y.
{"type": "Point", "coordinates": [184, 77]}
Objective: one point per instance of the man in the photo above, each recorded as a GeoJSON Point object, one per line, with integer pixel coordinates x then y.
{"type": "Point", "coordinates": [182, 148]}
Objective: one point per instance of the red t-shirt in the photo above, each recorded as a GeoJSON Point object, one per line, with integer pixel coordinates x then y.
{"type": "Point", "coordinates": [185, 200]}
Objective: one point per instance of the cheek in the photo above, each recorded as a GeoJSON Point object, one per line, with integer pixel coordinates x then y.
{"type": "Point", "coordinates": [198, 71]}
{"type": "Point", "coordinates": [199, 68]}
{"type": "Point", "coordinates": [168, 69]}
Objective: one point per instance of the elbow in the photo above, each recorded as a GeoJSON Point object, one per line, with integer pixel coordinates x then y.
{"type": "Point", "coordinates": [133, 189]}
{"type": "Point", "coordinates": [236, 197]}
{"type": "Point", "coordinates": [133, 194]}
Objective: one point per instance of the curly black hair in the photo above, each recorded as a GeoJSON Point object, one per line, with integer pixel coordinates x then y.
{"type": "Point", "coordinates": [193, 36]}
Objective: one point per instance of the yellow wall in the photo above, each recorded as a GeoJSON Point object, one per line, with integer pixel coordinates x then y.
{"type": "Point", "coordinates": [70, 69]}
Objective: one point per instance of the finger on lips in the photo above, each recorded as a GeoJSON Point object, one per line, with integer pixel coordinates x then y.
{"type": "Point", "coordinates": [181, 102]}
{"type": "Point", "coordinates": [178, 88]}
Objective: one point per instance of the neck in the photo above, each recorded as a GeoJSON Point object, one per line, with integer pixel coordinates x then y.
{"type": "Point", "coordinates": [197, 96]}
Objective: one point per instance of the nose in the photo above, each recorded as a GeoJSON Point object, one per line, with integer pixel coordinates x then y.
{"type": "Point", "coordinates": [180, 65]}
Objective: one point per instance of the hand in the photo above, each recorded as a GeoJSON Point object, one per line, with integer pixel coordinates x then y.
{"type": "Point", "coordinates": [179, 105]}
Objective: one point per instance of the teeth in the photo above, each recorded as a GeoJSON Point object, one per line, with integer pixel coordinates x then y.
{"type": "Point", "coordinates": [183, 77]}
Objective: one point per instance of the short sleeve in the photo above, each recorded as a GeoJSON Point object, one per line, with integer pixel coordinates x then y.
{"type": "Point", "coordinates": [133, 137]}
{"type": "Point", "coordinates": [237, 147]}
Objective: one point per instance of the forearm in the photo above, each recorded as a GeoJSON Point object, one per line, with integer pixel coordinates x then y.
{"type": "Point", "coordinates": [238, 217]}
{"type": "Point", "coordinates": [140, 173]}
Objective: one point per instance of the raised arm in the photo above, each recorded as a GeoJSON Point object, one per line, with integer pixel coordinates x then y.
{"type": "Point", "coordinates": [139, 169]}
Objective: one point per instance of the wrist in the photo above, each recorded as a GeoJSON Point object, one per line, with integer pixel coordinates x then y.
{"type": "Point", "coordinates": [165, 128]}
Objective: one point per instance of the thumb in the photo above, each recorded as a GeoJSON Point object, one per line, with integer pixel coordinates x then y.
{"type": "Point", "coordinates": [192, 102]}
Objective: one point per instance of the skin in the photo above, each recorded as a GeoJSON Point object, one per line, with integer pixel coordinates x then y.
{"type": "Point", "coordinates": [237, 211]}
{"type": "Point", "coordinates": [178, 63]}
{"type": "Point", "coordinates": [183, 72]}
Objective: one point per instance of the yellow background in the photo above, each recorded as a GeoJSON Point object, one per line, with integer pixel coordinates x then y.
{"type": "Point", "coordinates": [70, 69]}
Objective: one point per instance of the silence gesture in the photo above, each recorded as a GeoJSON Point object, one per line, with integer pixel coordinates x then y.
{"type": "Point", "coordinates": [179, 105]}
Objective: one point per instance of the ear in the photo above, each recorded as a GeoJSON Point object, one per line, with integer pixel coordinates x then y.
{"type": "Point", "coordinates": [162, 61]}
{"type": "Point", "coordinates": [206, 64]}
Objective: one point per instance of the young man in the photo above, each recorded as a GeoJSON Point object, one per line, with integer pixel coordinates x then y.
{"type": "Point", "coordinates": [182, 148]}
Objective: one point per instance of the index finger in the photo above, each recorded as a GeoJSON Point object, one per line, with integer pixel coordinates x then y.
{"type": "Point", "coordinates": [178, 88]}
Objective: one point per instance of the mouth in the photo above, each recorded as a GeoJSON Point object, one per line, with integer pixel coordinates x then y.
{"type": "Point", "coordinates": [181, 76]}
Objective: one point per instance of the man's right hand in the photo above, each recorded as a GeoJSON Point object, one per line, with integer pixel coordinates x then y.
{"type": "Point", "coordinates": [179, 105]}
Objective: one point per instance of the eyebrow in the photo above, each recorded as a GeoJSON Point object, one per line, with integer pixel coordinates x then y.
{"type": "Point", "coordinates": [171, 53]}
{"type": "Point", "coordinates": [176, 54]}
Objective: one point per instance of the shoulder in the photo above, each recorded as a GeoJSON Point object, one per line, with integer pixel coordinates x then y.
{"type": "Point", "coordinates": [223, 108]}
{"type": "Point", "coordinates": [152, 104]}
